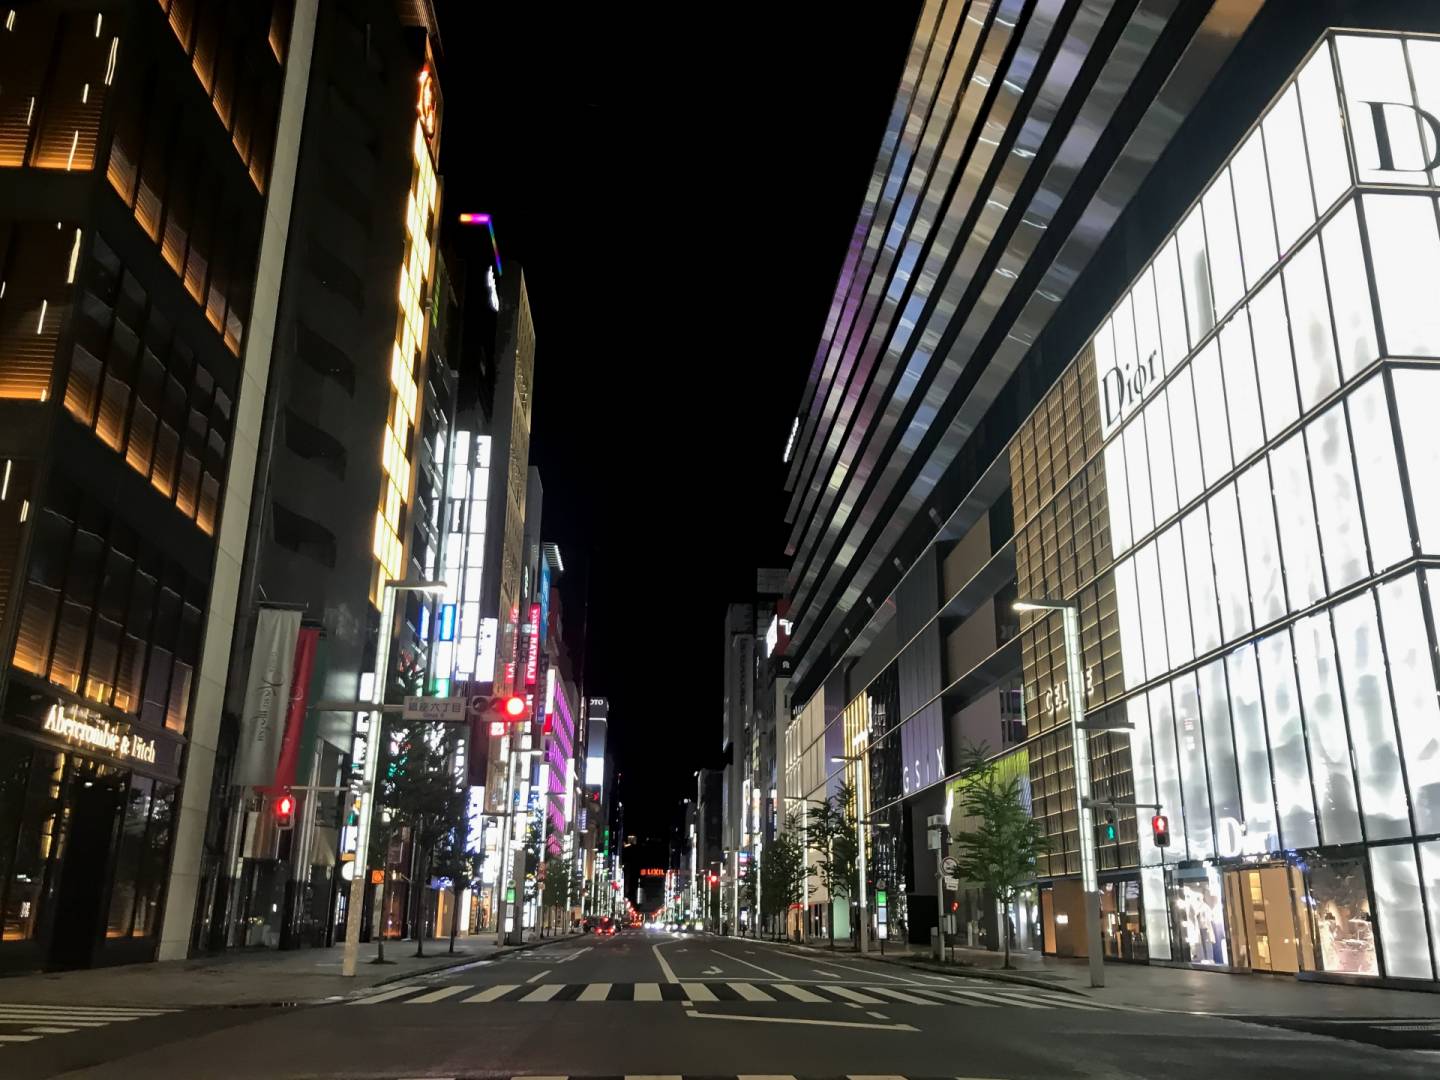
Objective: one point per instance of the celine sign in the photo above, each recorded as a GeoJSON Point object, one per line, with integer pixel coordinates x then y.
{"type": "Point", "coordinates": [84, 728]}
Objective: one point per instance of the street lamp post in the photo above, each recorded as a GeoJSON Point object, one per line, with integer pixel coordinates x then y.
{"type": "Point", "coordinates": [358, 879]}
{"type": "Point", "coordinates": [1075, 684]}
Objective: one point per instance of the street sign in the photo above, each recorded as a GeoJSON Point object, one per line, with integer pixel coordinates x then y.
{"type": "Point", "coordinates": [932, 839]}
{"type": "Point", "coordinates": [435, 709]}
{"type": "Point", "coordinates": [951, 869]}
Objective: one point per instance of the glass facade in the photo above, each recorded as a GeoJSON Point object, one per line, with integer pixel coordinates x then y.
{"type": "Point", "coordinates": [1255, 432]}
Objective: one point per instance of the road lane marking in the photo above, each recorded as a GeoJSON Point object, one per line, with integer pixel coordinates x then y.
{"type": "Point", "coordinates": [1013, 999]}
{"type": "Point", "coordinates": [540, 975]}
{"type": "Point", "coordinates": [878, 1016]}
{"type": "Point", "coordinates": [664, 965]}
{"type": "Point", "coordinates": [490, 993]}
{"type": "Point", "coordinates": [648, 992]}
{"type": "Point", "coordinates": [544, 993]}
{"type": "Point", "coordinates": [594, 992]}
{"type": "Point", "coordinates": [826, 974]}
{"type": "Point", "coordinates": [438, 995]}
{"type": "Point", "coordinates": [757, 967]}
{"type": "Point", "coordinates": [18, 1038]}
{"type": "Point", "coordinates": [51, 1030]}
{"type": "Point", "coordinates": [698, 992]}
{"type": "Point", "coordinates": [712, 970]}
{"type": "Point", "coordinates": [799, 993]}
{"type": "Point", "coordinates": [1063, 1001]}
{"type": "Point", "coordinates": [741, 1018]}
{"type": "Point", "coordinates": [854, 995]}
{"type": "Point", "coordinates": [750, 993]}
{"type": "Point", "coordinates": [23, 1018]}
{"type": "Point", "coordinates": [393, 992]}
{"type": "Point", "coordinates": [900, 995]}
{"type": "Point", "coordinates": [872, 974]}
{"type": "Point", "coordinates": [968, 997]}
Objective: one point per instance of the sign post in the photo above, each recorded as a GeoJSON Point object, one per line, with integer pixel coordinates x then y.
{"type": "Point", "coordinates": [935, 825]}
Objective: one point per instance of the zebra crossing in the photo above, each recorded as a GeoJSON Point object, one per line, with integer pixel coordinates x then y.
{"type": "Point", "coordinates": [21, 1023]}
{"type": "Point", "coordinates": [976, 995]}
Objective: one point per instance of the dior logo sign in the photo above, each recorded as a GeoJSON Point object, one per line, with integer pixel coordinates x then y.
{"type": "Point", "coordinates": [1385, 117]}
{"type": "Point", "coordinates": [1123, 387]}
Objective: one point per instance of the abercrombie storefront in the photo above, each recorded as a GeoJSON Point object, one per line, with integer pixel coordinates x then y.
{"type": "Point", "coordinates": [1262, 523]}
{"type": "Point", "coordinates": [87, 800]}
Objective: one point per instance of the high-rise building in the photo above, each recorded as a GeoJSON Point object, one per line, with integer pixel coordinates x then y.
{"type": "Point", "coordinates": [365, 196]}
{"type": "Point", "coordinates": [147, 164]}
{"type": "Point", "coordinates": [1137, 307]}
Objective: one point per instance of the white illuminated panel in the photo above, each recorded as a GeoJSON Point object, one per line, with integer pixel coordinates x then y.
{"type": "Point", "coordinates": [1398, 904]}
{"type": "Point", "coordinates": [1287, 741]}
{"type": "Point", "coordinates": [1325, 728]}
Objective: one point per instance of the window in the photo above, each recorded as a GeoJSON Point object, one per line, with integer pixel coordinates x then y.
{"type": "Point", "coordinates": [299, 534]}
{"type": "Point", "coordinates": [36, 267]}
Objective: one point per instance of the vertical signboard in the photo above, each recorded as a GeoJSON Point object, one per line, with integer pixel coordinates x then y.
{"type": "Point", "coordinates": [267, 692]}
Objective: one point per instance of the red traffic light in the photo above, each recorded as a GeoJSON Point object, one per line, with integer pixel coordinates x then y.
{"type": "Point", "coordinates": [1160, 829]}
{"type": "Point", "coordinates": [285, 811]}
{"type": "Point", "coordinates": [514, 706]}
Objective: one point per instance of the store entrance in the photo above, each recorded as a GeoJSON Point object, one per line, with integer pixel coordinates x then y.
{"type": "Point", "coordinates": [1260, 919]}
{"type": "Point", "coordinates": [82, 901]}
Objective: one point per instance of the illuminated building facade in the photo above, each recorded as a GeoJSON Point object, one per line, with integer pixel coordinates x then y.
{"type": "Point", "coordinates": [145, 151]}
{"type": "Point", "coordinates": [1174, 376]}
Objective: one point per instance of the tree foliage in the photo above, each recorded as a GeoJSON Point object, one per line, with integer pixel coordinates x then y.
{"type": "Point", "coordinates": [831, 831]}
{"type": "Point", "coordinates": [999, 853]}
{"type": "Point", "coordinates": [784, 877]}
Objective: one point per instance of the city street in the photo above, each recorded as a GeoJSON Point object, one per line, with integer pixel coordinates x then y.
{"type": "Point", "coordinates": [657, 1004]}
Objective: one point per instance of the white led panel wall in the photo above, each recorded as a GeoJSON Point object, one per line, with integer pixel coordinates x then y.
{"type": "Point", "coordinates": [1268, 400]}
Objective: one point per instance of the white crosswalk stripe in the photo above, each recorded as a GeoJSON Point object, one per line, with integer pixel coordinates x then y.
{"type": "Point", "coordinates": [22, 1023]}
{"type": "Point", "coordinates": [971, 994]}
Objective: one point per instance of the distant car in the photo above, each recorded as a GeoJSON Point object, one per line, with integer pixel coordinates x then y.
{"type": "Point", "coordinates": [605, 926]}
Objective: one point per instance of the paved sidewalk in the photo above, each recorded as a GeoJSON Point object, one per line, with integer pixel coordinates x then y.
{"type": "Point", "coordinates": [252, 978]}
{"type": "Point", "coordinates": [1176, 989]}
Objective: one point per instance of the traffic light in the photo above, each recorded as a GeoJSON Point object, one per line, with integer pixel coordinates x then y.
{"type": "Point", "coordinates": [1109, 828]}
{"type": "Point", "coordinates": [285, 811]}
{"type": "Point", "coordinates": [954, 906]}
{"type": "Point", "coordinates": [1160, 827]}
{"type": "Point", "coordinates": [514, 707]}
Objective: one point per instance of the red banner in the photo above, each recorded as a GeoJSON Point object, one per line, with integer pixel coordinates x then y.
{"type": "Point", "coordinates": [286, 767]}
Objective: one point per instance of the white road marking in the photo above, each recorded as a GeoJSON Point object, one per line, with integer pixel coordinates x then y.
{"type": "Point", "coordinates": [865, 1076]}
{"type": "Point", "coordinates": [712, 970]}
{"type": "Point", "coordinates": [872, 974]}
{"type": "Point", "coordinates": [120, 1012]}
{"type": "Point", "coordinates": [578, 952]}
{"type": "Point", "coordinates": [900, 995]}
{"type": "Point", "coordinates": [738, 1017]}
{"type": "Point", "coordinates": [51, 1030]}
{"type": "Point", "coordinates": [757, 967]}
{"type": "Point", "coordinates": [968, 997]}
{"type": "Point", "coordinates": [698, 992]}
{"type": "Point", "coordinates": [544, 993]}
{"type": "Point", "coordinates": [1012, 999]}
{"type": "Point", "coordinates": [750, 993]}
{"type": "Point", "coordinates": [490, 993]}
{"type": "Point", "coordinates": [595, 992]}
{"type": "Point", "coordinates": [539, 975]}
{"type": "Point", "coordinates": [826, 974]}
{"type": "Point", "coordinates": [664, 965]}
{"type": "Point", "coordinates": [21, 1018]}
{"type": "Point", "coordinates": [878, 1016]}
{"type": "Point", "coordinates": [439, 995]}
{"type": "Point", "coordinates": [854, 995]}
{"type": "Point", "coordinates": [18, 1038]}
{"type": "Point", "coordinates": [386, 995]}
{"type": "Point", "coordinates": [799, 993]}
{"type": "Point", "coordinates": [647, 992]}
{"type": "Point", "coordinates": [1065, 1001]}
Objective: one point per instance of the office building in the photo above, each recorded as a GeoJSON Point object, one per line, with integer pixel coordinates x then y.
{"type": "Point", "coordinates": [1157, 346]}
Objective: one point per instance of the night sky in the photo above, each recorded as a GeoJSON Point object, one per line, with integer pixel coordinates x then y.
{"type": "Point", "coordinates": [680, 188]}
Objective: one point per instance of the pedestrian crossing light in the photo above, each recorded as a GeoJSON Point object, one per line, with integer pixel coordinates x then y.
{"type": "Point", "coordinates": [1160, 828]}
{"type": "Point", "coordinates": [880, 897]}
{"type": "Point", "coordinates": [285, 811]}
{"type": "Point", "coordinates": [1109, 829]}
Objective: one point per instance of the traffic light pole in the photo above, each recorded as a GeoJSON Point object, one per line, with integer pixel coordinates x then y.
{"type": "Point", "coordinates": [1081, 752]}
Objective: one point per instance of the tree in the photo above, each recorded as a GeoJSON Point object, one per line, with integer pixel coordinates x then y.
{"type": "Point", "coordinates": [832, 835]}
{"type": "Point", "coordinates": [419, 789]}
{"type": "Point", "coordinates": [556, 884]}
{"type": "Point", "coordinates": [460, 868]}
{"type": "Point", "coordinates": [783, 874]}
{"type": "Point", "coordinates": [1000, 852]}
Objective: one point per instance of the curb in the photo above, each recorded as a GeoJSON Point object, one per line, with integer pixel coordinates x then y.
{"type": "Point", "coordinates": [946, 969]}
{"type": "Point", "coordinates": [506, 950]}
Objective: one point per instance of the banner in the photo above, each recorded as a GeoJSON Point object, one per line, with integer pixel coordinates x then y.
{"type": "Point", "coordinates": [267, 692]}
{"type": "Point", "coordinates": [304, 665]}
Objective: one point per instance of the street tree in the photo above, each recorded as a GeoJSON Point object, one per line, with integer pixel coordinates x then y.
{"type": "Point", "coordinates": [460, 868]}
{"type": "Point", "coordinates": [832, 836]}
{"type": "Point", "coordinates": [556, 887]}
{"type": "Point", "coordinates": [999, 852]}
{"type": "Point", "coordinates": [784, 877]}
{"type": "Point", "coordinates": [419, 789]}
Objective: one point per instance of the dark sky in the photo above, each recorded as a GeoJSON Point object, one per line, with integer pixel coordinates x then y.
{"type": "Point", "coordinates": [680, 188]}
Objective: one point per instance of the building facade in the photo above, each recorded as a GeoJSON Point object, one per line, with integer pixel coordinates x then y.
{"type": "Point", "coordinates": [147, 163]}
{"type": "Point", "coordinates": [1173, 376]}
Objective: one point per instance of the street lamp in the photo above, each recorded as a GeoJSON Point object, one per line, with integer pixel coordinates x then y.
{"type": "Point", "coordinates": [372, 758]}
{"type": "Point", "coordinates": [1081, 752]}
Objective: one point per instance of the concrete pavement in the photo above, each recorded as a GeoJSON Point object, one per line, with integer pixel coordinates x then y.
{"type": "Point", "coordinates": [588, 1007]}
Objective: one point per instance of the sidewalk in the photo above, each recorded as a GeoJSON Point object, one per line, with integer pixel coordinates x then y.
{"type": "Point", "coordinates": [252, 978]}
{"type": "Point", "coordinates": [1175, 989]}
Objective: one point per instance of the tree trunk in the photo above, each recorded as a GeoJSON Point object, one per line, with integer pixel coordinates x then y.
{"type": "Point", "coordinates": [1005, 932]}
{"type": "Point", "coordinates": [380, 934]}
{"type": "Point", "coordinates": [830, 924]}
{"type": "Point", "coordinates": [419, 893]}
{"type": "Point", "coordinates": [454, 918]}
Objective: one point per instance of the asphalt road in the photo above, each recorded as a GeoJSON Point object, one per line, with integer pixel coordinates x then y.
{"type": "Point", "coordinates": [658, 1005]}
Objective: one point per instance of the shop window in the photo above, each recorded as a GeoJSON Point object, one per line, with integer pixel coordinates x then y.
{"type": "Point", "coordinates": [30, 812]}
{"type": "Point", "coordinates": [1339, 898]}
{"type": "Point", "coordinates": [1199, 907]}
{"type": "Point", "coordinates": [128, 854]}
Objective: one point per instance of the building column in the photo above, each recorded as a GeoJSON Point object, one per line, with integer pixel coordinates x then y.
{"type": "Point", "coordinates": [211, 672]}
